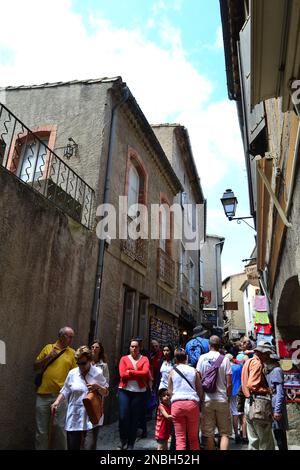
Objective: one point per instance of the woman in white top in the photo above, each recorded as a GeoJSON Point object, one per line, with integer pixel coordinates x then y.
{"type": "Point", "coordinates": [186, 392]}
{"type": "Point", "coordinates": [167, 363]}
{"type": "Point", "coordinates": [79, 381]}
{"type": "Point", "coordinates": [99, 358]}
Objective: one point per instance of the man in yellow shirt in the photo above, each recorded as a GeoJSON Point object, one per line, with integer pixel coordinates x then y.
{"type": "Point", "coordinates": [53, 379]}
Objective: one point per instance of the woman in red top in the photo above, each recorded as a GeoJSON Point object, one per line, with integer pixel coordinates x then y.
{"type": "Point", "coordinates": [134, 375]}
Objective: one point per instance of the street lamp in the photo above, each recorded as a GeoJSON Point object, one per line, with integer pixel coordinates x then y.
{"type": "Point", "coordinates": [229, 202]}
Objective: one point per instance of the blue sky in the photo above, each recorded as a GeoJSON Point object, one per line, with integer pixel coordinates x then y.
{"type": "Point", "coordinates": [170, 53]}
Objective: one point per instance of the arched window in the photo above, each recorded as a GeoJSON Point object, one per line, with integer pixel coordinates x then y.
{"type": "Point", "coordinates": [165, 225]}
{"type": "Point", "coordinates": [133, 186]}
{"type": "Point", "coordinates": [136, 182]}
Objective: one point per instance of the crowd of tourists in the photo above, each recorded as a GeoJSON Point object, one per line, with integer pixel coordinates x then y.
{"type": "Point", "coordinates": [200, 395]}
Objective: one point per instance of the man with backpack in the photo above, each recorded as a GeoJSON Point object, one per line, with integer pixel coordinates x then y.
{"type": "Point", "coordinates": [216, 377]}
{"type": "Point", "coordinates": [197, 346]}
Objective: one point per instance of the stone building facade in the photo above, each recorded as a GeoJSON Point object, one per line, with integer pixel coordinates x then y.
{"type": "Point", "coordinates": [231, 292]}
{"type": "Point", "coordinates": [111, 288]}
{"type": "Point", "coordinates": [211, 281]}
{"type": "Point", "coordinates": [175, 141]}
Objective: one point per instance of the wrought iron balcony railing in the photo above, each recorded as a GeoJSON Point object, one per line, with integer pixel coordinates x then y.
{"type": "Point", "coordinates": [166, 268]}
{"type": "Point", "coordinates": [137, 250]}
{"type": "Point", "coordinates": [27, 156]}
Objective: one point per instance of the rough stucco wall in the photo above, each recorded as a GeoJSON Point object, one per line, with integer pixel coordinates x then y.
{"type": "Point", "coordinates": [47, 272]}
{"type": "Point", "coordinates": [238, 316]}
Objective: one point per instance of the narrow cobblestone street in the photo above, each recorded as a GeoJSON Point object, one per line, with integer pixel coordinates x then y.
{"type": "Point", "coordinates": [109, 439]}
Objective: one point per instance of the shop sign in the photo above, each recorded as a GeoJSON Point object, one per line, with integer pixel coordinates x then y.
{"type": "Point", "coordinates": [207, 297]}
{"type": "Point", "coordinates": [252, 275]}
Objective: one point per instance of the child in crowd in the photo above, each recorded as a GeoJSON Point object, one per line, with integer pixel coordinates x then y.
{"type": "Point", "coordinates": [163, 420]}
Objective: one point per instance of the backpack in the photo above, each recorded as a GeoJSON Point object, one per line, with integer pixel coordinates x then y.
{"type": "Point", "coordinates": [209, 378]}
{"type": "Point", "coordinates": [195, 351]}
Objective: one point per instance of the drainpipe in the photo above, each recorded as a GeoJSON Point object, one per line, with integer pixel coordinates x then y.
{"type": "Point", "coordinates": [94, 325]}
{"type": "Point", "coordinates": [217, 290]}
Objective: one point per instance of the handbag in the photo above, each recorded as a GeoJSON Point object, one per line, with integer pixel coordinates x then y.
{"type": "Point", "coordinates": [93, 406]}
{"type": "Point", "coordinates": [240, 400]}
{"type": "Point", "coordinates": [39, 376]}
{"type": "Point", "coordinates": [260, 408]}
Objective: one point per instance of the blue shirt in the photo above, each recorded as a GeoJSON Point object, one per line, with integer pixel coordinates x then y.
{"type": "Point", "coordinates": [236, 377]}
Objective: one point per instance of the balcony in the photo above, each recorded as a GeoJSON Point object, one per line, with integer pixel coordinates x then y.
{"type": "Point", "coordinates": [166, 268]}
{"type": "Point", "coordinates": [27, 156]}
{"type": "Point", "coordinates": [137, 250]}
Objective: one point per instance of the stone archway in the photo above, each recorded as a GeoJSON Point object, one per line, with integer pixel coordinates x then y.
{"type": "Point", "coordinates": [288, 311]}
{"type": "Point", "coordinates": [288, 326]}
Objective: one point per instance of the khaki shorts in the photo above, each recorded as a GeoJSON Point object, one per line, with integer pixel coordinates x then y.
{"type": "Point", "coordinates": [216, 414]}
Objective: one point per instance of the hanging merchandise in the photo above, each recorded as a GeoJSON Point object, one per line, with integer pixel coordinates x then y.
{"type": "Point", "coordinates": [261, 338]}
{"type": "Point", "coordinates": [260, 303]}
{"type": "Point", "coordinates": [163, 332]}
{"type": "Point", "coordinates": [289, 353]}
{"type": "Point", "coordinates": [263, 329]}
{"type": "Point", "coordinates": [289, 349]}
{"type": "Point", "coordinates": [261, 318]}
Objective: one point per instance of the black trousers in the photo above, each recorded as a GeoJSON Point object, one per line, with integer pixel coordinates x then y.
{"type": "Point", "coordinates": [75, 439]}
{"type": "Point", "coordinates": [86, 440]}
{"type": "Point", "coordinates": [280, 436]}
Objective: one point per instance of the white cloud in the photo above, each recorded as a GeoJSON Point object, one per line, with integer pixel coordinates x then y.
{"type": "Point", "coordinates": [219, 39]}
{"type": "Point", "coordinates": [215, 139]}
{"type": "Point", "coordinates": [164, 82]}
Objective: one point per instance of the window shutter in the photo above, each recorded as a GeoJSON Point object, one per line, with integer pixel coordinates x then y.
{"type": "Point", "coordinates": [255, 117]}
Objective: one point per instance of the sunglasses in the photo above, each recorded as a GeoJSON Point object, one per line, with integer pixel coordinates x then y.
{"type": "Point", "coordinates": [82, 363]}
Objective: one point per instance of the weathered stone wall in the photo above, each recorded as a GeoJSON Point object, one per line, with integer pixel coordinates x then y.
{"type": "Point", "coordinates": [47, 273]}
{"type": "Point", "coordinates": [286, 308]}
{"type": "Point", "coordinates": [286, 297]}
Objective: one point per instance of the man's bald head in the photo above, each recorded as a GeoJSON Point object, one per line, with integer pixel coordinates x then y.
{"type": "Point", "coordinates": [214, 343]}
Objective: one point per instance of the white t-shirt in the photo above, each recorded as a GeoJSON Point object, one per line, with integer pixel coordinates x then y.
{"type": "Point", "coordinates": [204, 362]}
{"type": "Point", "coordinates": [181, 389]}
{"type": "Point", "coordinates": [165, 370]}
{"type": "Point", "coordinates": [74, 390]}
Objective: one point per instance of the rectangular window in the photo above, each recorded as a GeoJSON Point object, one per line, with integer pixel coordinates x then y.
{"type": "Point", "coordinates": [143, 317]}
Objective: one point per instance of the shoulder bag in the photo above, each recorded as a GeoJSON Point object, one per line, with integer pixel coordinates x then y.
{"type": "Point", "coordinates": [39, 376]}
{"type": "Point", "coordinates": [93, 405]}
{"type": "Point", "coordinates": [261, 406]}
